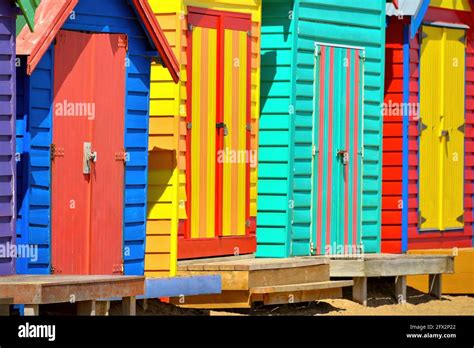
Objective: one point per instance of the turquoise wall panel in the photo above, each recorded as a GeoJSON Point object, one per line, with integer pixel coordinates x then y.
{"type": "Point", "coordinates": [274, 180]}
{"type": "Point", "coordinates": [289, 32]}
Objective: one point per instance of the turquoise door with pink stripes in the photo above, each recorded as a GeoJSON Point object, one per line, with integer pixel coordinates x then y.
{"type": "Point", "coordinates": [337, 150]}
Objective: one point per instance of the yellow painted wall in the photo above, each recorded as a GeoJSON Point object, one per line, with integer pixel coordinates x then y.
{"type": "Point", "coordinates": [461, 282]}
{"type": "Point", "coordinates": [167, 181]}
{"type": "Point", "coordinates": [459, 5]}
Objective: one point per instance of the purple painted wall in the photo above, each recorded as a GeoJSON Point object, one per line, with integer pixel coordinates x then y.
{"type": "Point", "coordinates": [7, 130]}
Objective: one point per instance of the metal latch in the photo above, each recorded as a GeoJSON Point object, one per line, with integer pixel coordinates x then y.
{"type": "Point", "coordinates": [444, 133]}
{"type": "Point", "coordinates": [88, 157]}
{"type": "Point", "coordinates": [222, 125]}
{"type": "Point", "coordinates": [344, 156]}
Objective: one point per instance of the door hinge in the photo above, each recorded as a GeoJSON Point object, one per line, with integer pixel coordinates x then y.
{"type": "Point", "coordinates": [123, 42]}
{"type": "Point", "coordinates": [422, 126]}
{"type": "Point", "coordinates": [463, 39]}
{"type": "Point", "coordinates": [56, 151]}
{"type": "Point", "coordinates": [314, 150]}
{"type": "Point", "coordinates": [117, 269]}
{"type": "Point", "coordinates": [423, 36]}
{"type": "Point", "coordinates": [247, 223]}
{"type": "Point", "coordinates": [462, 128]}
{"type": "Point", "coordinates": [421, 220]}
{"type": "Point", "coordinates": [121, 156]}
{"type": "Point", "coordinates": [249, 33]}
{"type": "Point", "coordinates": [460, 219]}
{"type": "Point", "coordinates": [190, 27]}
{"type": "Point", "coordinates": [248, 127]}
{"type": "Point", "coordinates": [189, 125]}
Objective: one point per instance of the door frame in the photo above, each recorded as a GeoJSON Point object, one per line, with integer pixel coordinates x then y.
{"type": "Point", "coordinates": [219, 245]}
{"type": "Point", "coordinates": [314, 246]}
{"type": "Point", "coordinates": [116, 268]}
{"type": "Point", "coordinates": [434, 233]}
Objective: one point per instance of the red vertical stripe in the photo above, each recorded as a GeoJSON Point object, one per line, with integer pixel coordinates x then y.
{"type": "Point", "coordinates": [189, 119]}
{"type": "Point", "coordinates": [219, 118]}
{"type": "Point", "coordinates": [322, 68]}
{"type": "Point", "coordinates": [249, 132]}
{"type": "Point", "coordinates": [330, 150]}
{"type": "Point", "coordinates": [348, 149]}
{"type": "Point", "coordinates": [355, 186]}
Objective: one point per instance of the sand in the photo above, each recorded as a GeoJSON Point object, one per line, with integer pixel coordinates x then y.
{"type": "Point", "coordinates": [381, 301]}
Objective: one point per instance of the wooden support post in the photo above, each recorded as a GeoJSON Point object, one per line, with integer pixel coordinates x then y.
{"type": "Point", "coordinates": [359, 290]}
{"type": "Point", "coordinates": [31, 310]}
{"type": "Point", "coordinates": [129, 306]}
{"type": "Point", "coordinates": [4, 310]}
{"type": "Point", "coordinates": [86, 308]}
{"type": "Point", "coordinates": [102, 308]}
{"type": "Point", "coordinates": [435, 285]}
{"type": "Point", "coordinates": [401, 289]}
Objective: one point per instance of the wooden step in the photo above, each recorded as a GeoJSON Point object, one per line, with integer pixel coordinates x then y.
{"type": "Point", "coordinates": [302, 287]}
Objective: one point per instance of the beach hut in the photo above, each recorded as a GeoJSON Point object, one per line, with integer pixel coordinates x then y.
{"type": "Point", "coordinates": [83, 98]}
{"type": "Point", "coordinates": [202, 197]}
{"type": "Point", "coordinates": [8, 16]}
{"type": "Point", "coordinates": [428, 153]}
{"type": "Point", "coordinates": [320, 141]}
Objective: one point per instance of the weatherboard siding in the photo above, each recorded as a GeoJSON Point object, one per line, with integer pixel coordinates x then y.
{"type": "Point", "coordinates": [7, 131]}
{"type": "Point", "coordinates": [343, 22]}
{"type": "Point", "coordinates": [275, 122]}
{"type": "Point", "coordinates": [106, 16]}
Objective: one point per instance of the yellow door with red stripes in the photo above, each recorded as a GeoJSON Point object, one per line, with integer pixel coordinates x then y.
{"type": "Point", "coordinates": [218, 133]}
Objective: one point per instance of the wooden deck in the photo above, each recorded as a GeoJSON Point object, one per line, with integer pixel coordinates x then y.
{"type": "Point", "coordinates": [247, 280]}
{"type": "Point", "coordinates": [33, 291]}
{"type": "Point", "coordinates": [390, 265]}
{"type": "Point", "coordinates": [461, 282]}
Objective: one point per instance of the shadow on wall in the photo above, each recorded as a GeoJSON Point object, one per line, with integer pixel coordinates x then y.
{"type": "Point", "coordinates": [162, 164]}
{"type": "Point", "coordinates": [269, 70]}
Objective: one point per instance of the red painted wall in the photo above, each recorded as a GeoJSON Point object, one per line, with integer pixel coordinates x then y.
{"type": "Point", "coordinates": [462, 238]}
{"type": "Point", "coordinates": [392, 141]}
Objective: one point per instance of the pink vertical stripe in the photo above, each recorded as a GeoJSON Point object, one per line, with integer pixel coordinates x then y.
{"type": "Point", "coordinates": [330, 149]}
{"type": "Point", "coordinates": [355, 186]}
{"type": "Point", "coordinates": [348, 149]}
{"type": "Point", "coordinates": [322, 68]}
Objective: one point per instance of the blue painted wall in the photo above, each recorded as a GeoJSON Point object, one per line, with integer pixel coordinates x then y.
{"type": "Point", "coordinates": [105, 16]}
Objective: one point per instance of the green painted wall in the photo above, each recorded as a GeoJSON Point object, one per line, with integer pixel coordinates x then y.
{"type": "Point", "coordinates": [287, 112]}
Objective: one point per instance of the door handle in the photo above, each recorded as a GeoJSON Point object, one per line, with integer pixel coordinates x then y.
{"type": "Point", "coordinates": [222, 125]}
{"type": "Point", "coordinates": [445, 133]}
{"type": "Point", "coordinates": [88, 157]}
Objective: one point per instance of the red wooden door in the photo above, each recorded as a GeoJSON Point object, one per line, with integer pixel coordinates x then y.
{"type": "Point", "coordinates": [218, 138]}
{"type": "Point", "coordinates": [87, 190]}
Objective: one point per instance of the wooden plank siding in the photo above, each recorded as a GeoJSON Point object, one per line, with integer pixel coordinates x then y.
{"type": "Point", "coordinates": [167, 198]}
{"type": "Point", "coordinates": [352, 23]}
{"type": "Point", "coordinates": [392, 166]}
{"type": "Point", "coordinates": [458, 238]}
{"type": "Point", "coordinates": [275, 120]}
